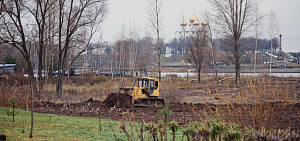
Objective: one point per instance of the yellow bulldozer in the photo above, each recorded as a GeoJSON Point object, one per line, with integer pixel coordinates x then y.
{"type": "Point", "coordinates": [143, 92]}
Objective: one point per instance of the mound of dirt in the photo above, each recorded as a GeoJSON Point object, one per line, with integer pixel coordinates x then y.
{"type": "Point", "coordinates": [118, 100]}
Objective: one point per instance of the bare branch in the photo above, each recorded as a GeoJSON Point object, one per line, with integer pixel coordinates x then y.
{"type": "Point", "coordinates": [234, 19]}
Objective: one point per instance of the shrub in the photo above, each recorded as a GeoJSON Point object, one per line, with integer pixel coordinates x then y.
{"type": "Point", "coordinates": [13, 113]}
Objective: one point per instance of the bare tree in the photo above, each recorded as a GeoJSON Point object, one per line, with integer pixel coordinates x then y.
{"type": "Point", "coordinates": [198, 50]}
{"type": "Point", "coordinates": [41, 11]}
{"type": "Point", "coordinates": [77, 23]}
{"type": "Point", "coordinates": [209, 35]}
{"type": "Point", "coordinates": [133, 44]}
{"type": "Point", "coordinates": [234, 18]}
{"type": "Point", "coordinates": [126, 47]}
{"type": "Point", "coordinates": [258, 20]}
{"type": "Point", "coordinates": [50, 50]}
{"type": "Point", "coordinates": [120, 50]}
{"type": "Point", "coordinates": [15, 31]}
{"type": "Point", "coordinates": [155, 19]}
{"type": "Point", "coordinates": [144, 58]}
{"type": "Point", "coordinates": [273, 28]}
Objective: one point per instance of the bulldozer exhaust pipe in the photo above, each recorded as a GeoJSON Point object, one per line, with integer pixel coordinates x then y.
{"type": "Point", "coordinates": [132, 86]}
{"type": "Point", "coordinates": [121, 86]}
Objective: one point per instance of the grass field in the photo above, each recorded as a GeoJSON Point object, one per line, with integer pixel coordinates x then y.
{"type": "Point", "coordinates": [56, 127]}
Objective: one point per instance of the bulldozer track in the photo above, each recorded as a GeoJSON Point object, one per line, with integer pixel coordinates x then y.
{"type": "Point", "coordinates": [149, 102]}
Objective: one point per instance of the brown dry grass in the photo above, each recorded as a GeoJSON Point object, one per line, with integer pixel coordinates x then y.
{"type": "Point", "coordinates": [262, 102]}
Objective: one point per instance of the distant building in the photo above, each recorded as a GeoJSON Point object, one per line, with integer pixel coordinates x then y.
{"type": "Point", "coordinates": [280, 60]}
{"type": "Point", "coordinates": [7, 68]}
{"type": "Point", "coordinates": [169, 50]}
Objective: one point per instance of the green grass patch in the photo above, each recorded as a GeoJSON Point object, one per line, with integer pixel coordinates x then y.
{"type": "Point", "coordinates": [57, 127]}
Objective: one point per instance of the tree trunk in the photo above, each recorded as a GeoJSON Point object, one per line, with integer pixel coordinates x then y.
{"type": "Point", "coordinates": [237, 70]}
{"type": "Point", "coordinates": [33, 92]}
{"type": "Point", "coordinates": [237, 60]}
{"type": "Point", "coordinates": [60, 77]}
{"type": "Point", "coordinates": [158, 40]}
{"type": "Point", "coordinates": [199, 73]}
{"type": "Point", "coordinates": [50, 72]}
{"type": "Point", "coordinates": [40, 74]}
{"type": "Point", "coordinates": [159, 71]}
{"type": "Point", "coordinates": [59, 85]}
{"type": "Point", "coordinates": [214, 62]}
{"type": "Point", "coordinates": [158, 55]}
{"type": "Point", "coordinates": [174, 134]}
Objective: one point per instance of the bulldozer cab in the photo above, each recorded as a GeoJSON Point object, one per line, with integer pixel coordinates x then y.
{"type": "Point", "coordinates": [151, 85]}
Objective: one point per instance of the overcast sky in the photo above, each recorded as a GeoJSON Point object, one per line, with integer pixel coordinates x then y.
{"type": "Point", "coordinates": [128, 12]}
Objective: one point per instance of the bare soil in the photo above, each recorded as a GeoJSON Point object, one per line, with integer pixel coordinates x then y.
{"type": "Point", "coordinates": [182, 113]}
{"type": "Point", "coordinates": [187, 104]}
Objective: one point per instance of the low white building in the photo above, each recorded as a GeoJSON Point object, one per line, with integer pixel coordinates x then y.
{"type": "Point", "coordinates": [7, 68]}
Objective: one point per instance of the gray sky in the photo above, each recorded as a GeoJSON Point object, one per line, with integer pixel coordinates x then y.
{"type": "Point", "coordinates": [134, 12]}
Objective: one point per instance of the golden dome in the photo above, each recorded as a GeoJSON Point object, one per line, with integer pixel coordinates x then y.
{"type": "Point", "coordinates": [183, 23]}
{"type": "Point", "coordinates": [204, 23]}
{"type": "Point", "coordinates": [196, 22]}
{"type": "Point", "coordinates": [193, 18]}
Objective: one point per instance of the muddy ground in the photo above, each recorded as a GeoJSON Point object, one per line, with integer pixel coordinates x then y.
{"type": "Point", "coordinates": [182, 113]}
{"type": "Point", "coordinates": [205, 98]}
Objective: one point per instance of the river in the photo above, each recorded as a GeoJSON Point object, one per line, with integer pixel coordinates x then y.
{"type": "Point", "coordinates": [184, 74]}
